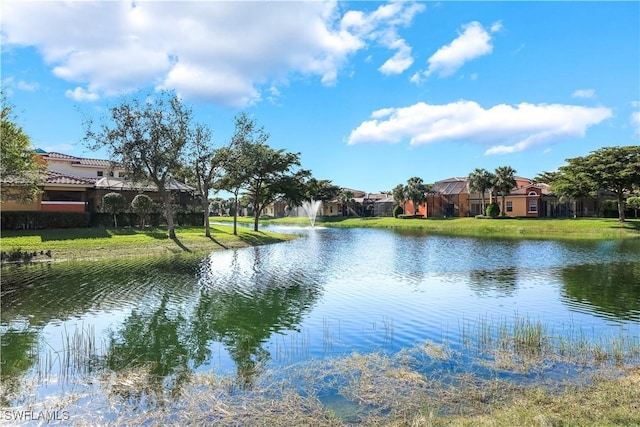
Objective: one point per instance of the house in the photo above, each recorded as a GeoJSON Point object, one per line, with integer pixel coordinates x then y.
{"type": "Point", "coordinates": [77, 184]}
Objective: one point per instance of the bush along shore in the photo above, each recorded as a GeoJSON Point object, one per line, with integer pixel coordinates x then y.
{"type": "Point", "coordinates": [108, 243]}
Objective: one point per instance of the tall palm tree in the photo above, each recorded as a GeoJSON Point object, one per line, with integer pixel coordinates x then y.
{"type": "Point", "coordinates": [504, 183]}
{"type": "Point", "coordinates": [416, 191]}
{"type": "Point", "coordinates": [479, 181]}
{"type": "Point", "coordinates": [345, 197]}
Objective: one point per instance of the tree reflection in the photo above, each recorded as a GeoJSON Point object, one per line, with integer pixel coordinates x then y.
{"type": "Point", "coordinates": [18, 353]}
{"type": "Point", "coordinates": [152, 340]}
{"type": "Point", "coordinates": [244, 322]}
{"type": "Point", "coordinates": [502, 280]}
{"type": "Point", "coordinates": [612, 289]}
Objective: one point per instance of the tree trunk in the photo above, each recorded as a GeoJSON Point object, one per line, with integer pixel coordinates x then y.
{"type": "Point", "coordinates": [256, 216]}
{"type": "Point", "coordinates": [621, 207]}
{"type": "Point", "coordinates": [207, 227]}
{"type": "Point", "coordinates": [483, 204]}
{"type": "Point", "coordinates": [235, 215]}
{"type": "Point", "coordinates": [168, 214]}
{"type": "Point", "coordinates": [504, 209]}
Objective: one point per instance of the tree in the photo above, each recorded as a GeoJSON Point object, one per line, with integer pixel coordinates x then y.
{"type": "Point", "coordinates": [18, 161]}
{"type": "Point", "coordinates": [479, 181]}
{"type": "Point", "coordinates": [504, 183]}
{"type": "Point", "coordinates": [234, 176]}
{"type": "Point", "coordinates": [143, 206]}
{"type": "Point", "coordinates": [399, 194]}
{"type": "Point", "coordinates": [205, 164]}
{"type": "Point", "coordinates": [416, 191]}
{"type": "Point", "coordinates": [271, 174]}
{"type": "Point", "coordinates": [114, 203]}
{"type": "Point", "coordinates": [322, 189]}
{"type": "Point", "coordinates": [148, 139]}
{"type": "Point", "coordinates": [613, 169]}
{"type": "Point", "coordinates": [634, 203]}
{"type": "Point", "coordinates": [346, 198]}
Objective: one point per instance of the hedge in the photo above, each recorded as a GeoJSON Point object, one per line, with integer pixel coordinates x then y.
{"type": "Point", "coordinates": [40, 220]}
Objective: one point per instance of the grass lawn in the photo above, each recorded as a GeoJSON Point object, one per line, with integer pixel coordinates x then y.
{"type": "Point", "coordinates": [103, 243]}
{"type": "Point", "coordinates": [578, 228]}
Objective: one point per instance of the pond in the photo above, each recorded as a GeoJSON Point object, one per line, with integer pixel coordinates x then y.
{"type": "Point", "coordinates": [329, 293]}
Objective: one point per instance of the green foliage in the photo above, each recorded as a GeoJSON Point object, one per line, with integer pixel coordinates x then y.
{"type": "Point", "coordinates": [416, 191]}
{"type": "Point", "coordinates": [322, 189]}
{"type": "Point", "coordinates": [493, 210]}
{"type": "Point", "coordinates": [143, 206]}
{"type": "Point", "coordinates": [147, 136]}
{"type": "Point", "coordinates": [18, 161]}
{"type": "Point", "coordinates": [634, 203]}
{"type": "Point", "coordinates": [37, 220]}
{"type": "Point", "coordinates": [504, 181]}
{"type": "Point", "coordinates": [114, 203]}
{"type": "Point", "coordinates": [481, 180]}
{"type": "Point", "coordinates": [612, 169]}
{"type": "Point", "coordinates": [397, 211]}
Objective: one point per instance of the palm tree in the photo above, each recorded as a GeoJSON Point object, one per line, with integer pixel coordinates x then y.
{"type": "Point", "coordinates": [480, 180]}
{"type": "Point", "coordinates": [416, 192]}
{"type": "Point", "coordinates": [399, 194]}
{"type": "Point", "coordinates": [345, 198]}
{"type": "Point", "coordinates": [504, 182]}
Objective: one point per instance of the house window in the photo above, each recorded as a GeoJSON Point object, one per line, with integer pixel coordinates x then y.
{"type": "Point", "coordinates": [533, 193]}
{"type": "Point", "coordinates": [509, 206]}
{"type": "Point", "coordinates": [533, 206]}
{"type": "Point", "coordinates": [100, 173]}
{"type": "Point", "coordinates": [331, 209]}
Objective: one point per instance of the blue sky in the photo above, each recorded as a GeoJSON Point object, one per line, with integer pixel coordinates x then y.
{"type": "Point", "coordinates": [370, 93]}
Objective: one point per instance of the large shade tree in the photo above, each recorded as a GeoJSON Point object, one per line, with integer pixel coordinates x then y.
{"type": "Point", "coordinates": [18, 161]}
{"type": "Point", "coordinates": [148, 138]}
{"type": "Point", "coordinates": [479, 181]}
{"type": "Point", "coordinates": [504, 182]}
{"type": "Point", "coordinates": [612, 169]}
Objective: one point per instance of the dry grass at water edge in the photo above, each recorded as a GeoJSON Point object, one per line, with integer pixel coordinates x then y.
{"type": "Point", "coordinates": [410, 388]}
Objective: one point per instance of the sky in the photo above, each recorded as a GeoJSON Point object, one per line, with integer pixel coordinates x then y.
{"type": "Point", "coordinates": [369, 93]}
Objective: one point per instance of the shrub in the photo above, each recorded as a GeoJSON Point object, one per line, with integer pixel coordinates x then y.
{"type": "Point", "coordinates": [397, 210]}
{"type": "Point", "coordinates": [40, 220]}
{"type": "Point", "coordinates": [114, 203]}
{"type": "Point", "coordinates": [493, 210]}
{"type": "Point", "coordinates": [143, 206]}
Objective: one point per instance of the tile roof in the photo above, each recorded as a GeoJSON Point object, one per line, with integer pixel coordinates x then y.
{"type": "Point", "coordinates": [78, 160]}
{"type": "Point", "coordinates": [66, 179]}
{"type": "Point", "coordinates": [111, 183]}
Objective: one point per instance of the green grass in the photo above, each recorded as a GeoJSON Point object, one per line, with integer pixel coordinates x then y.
{"type": "Point", "coordinates": [588, 228]}
{"type": "Point", "coordinates": [104, 243]}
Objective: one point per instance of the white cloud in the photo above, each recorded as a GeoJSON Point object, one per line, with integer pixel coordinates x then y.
{"type": "Point", "coordinates": [473, 42]}
{"type": "Point", "coordinates": [584, 93]}
{"type": "Point", "coordinates": [496, 27]}
{"type": "Point", "coordinates": [9, 83]}
{"type": "Point", "coordinates": [224, 52]}
{"type": "Point", "coordinates": [512, 128]}
{"type": "Point", "coordinates": [81, 95]}
{"type": "Point", "coordinates": [635, 121]}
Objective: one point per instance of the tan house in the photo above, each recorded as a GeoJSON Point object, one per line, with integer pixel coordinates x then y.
{"type": "Point", "coordinates": [75, 184]}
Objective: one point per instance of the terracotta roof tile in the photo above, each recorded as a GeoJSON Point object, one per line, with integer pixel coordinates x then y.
{"type": "Point", "coordinates": [66, 179]}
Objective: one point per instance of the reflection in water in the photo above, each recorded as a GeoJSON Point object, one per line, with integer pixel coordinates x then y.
{"type": "Point", "coordinates": [610, 290]}
{"type": "Point", "coordinates": [169, 315]}
{"type": "Point", "coordinates": [501, 280]}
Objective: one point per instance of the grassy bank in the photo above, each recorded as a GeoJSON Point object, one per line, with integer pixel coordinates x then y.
{"type": "Point", "coordinates": [578, 228]}
{"type": "Point", "coordinates": [105, 243]}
